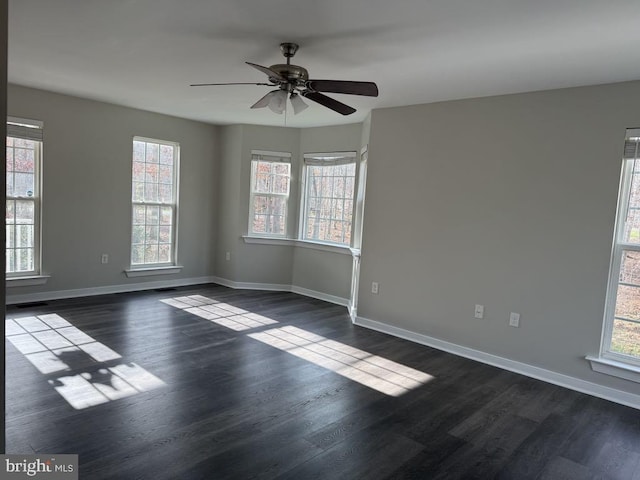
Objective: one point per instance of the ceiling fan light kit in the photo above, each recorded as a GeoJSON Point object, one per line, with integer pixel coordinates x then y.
{"type": "Point", "coordinates": [297, 103]}
{"type": "Point", "coordinates": [293, 81]}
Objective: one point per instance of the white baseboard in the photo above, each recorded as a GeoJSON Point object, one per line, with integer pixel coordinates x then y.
{"type": "Point", "coordinates": [538, 373]}
{"type": "Point", "coordinates": [279, 287]}
{"type": "Point", "coordinates": [343, 302]}
{"type": "Point", "coordinates": [134, 287]}
{"type": "Point", "coordinates": [91, 291]}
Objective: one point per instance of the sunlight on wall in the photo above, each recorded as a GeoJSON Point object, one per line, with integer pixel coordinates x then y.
{"type": "Point", "coordinates": [53, 345]}
{"type": "Point", "coordinates": [218, 312]}
{"type": "Point", "coordinates": [375, 372]}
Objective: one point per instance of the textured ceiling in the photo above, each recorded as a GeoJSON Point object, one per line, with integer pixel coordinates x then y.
{"type": "Point", "coordinates": [145, 53]}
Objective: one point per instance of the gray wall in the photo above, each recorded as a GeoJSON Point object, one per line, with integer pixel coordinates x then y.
{"type": "Point", "coordinates": [87, 188]}
{"type": "Point", "coordinates": [250, 263]}
{"type": "Point", "coordinates": [508, 202]}
{"type": "Point", "coordinates": [325, 272]}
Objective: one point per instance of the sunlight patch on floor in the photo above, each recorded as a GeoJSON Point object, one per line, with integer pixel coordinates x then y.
{"type": "Point", "coordinates": [54, 345]}
{"type": "Point", "coordinates": [375, 372]}
{"type": "Point", "coordinates": [221, 313]}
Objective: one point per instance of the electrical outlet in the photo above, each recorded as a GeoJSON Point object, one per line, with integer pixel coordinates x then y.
{"type": "Point", "coordinates": [374, 288]}
{"type": "Point", "coordinates": [514, 319]}
{"type": "Point", "coordinates": [228, 256]}
{"type": "Point", "coordinates": [105, 258]}
{"type": "Point", "coordinates": [479, 311]}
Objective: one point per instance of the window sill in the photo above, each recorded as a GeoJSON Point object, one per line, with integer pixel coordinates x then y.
{"type": "Point", "coordinates": [27, 281]}
{"type": "Point", "coordinates": [615, 368]}
{"type": "Point", "coordinates": [325, 247]}
{"type": "Point", "coordinates": [151, 271]}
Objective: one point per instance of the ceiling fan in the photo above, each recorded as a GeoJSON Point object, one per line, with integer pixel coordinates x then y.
{"type": "Point", "coordinates": [293, 81]}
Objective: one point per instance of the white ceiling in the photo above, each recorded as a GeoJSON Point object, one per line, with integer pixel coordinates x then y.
{"type": "Point", "coordinates": [145, 53]}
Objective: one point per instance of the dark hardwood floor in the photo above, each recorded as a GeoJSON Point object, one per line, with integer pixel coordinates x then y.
{"type": "Point", "coordinates": [179, 396]}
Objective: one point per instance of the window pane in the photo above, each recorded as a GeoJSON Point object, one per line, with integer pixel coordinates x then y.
{"type": "Point", "coordinates": [150, 192]}
{"type": "Point", "coordinates": [138, 171]}
{"type": "Point", "coordinates": [632, 223]}
{"type": "Point", "coordinates": [21, 181]}
{"type": "Point", "coordinates": [11, 206]}
{"type": "Point", "coordinates": [25, 211]}
{"type": "Point", "coordinates": [269, 196]}
{"type": "Point", "coordinates": [625, 338]}
{"type": "Point", "coordinates": [166, 215]}
{"type": "Point", "coordinates": [281, 184]}
{"type": "Point", "coordinates": [153, 215]}
{"type": "Point", "coordinates": [24, 259]}
{"type": "Point", "coordinates": [151, 254]}
{"type": "Point", "coordinates": [165, 193]}
{"type": "Point", "coordinates": [151, 235]}
{"type": "Point", "coordinates": [329, 202]}
{"type": "Point", "coordinates": [269, 215]}
{"type": "Point", "coordinates": [260, 204]}
{"type": "Point", "coordinates": [21, 142]}
{"type": "Point", "coordinates": [137, 254]}
{"type": "Point", "coordinates": [11, 262]}
{"type": "Point", "coordinates": [164, 253]}
{"type": "Point", "coordinates": [138, 192]}
{"type": "Point", "coordinates": [628, 302]}
{"type": "Point", "coordinates": [9, 186]}
{"type": "Point", "coordinates": [166, 174]}
{"type": "Point", "coordinates": [138, 151]}
{"type": "Point", "coordinates": [24, 236]}
{"type": "Point", "coordinates": [138, 214]}
{"type": "Point", "coordinates": [348, 209]}
{"type": "Point", "coordinates": [24, 160]}
{"type": "Point", "coordinates": [152, 153]}
{"type": "Point", "coordinates": [151, 173]}
{"type": "Point", "coordinates": [263, 183]}
{"type": "Point", "coordinates": [10, 241]}
{"type": "Point", "coordinates": [164, 234]}
{"type": "Point", "coordinates": [138, 234]}
{"type": "Point", "coordinates": [23, 184]}
{"type": "Point", "coordinates": [153, 176]}
{"type": "Point", "coordinates": [166, 155]}
{"type": "Point", "coordinates": [9, 158]}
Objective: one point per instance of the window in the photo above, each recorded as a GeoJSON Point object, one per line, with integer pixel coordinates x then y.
{"type": "Point", "coordinates": [621, 339]}
{"type": "Point", "coordinates": [328, 201]}
{"type": "Point", "coordinates": [154, 202]}
{"type": "Point", "coordinates": [270, 184]}
{"type": "Point", "coordinates": [24, 156]}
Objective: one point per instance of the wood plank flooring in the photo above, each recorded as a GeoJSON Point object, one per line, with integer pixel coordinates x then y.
{"type": "Point", "coordinates": [233, 407]}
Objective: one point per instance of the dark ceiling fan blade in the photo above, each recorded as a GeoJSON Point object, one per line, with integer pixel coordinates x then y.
{"type": "Point", "coordinates": [268, 72]}
{"type": "Point", "coordinates": [230, 83]}
{"type": "Point", "coordinates": [329, 102]}
{"type": "Point", "coordinates": [369, 89]}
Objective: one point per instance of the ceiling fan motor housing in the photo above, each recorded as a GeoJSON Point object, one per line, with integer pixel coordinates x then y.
{"type": "Point", "coordinates": [295, 75]}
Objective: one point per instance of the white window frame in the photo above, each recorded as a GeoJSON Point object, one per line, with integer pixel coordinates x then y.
{"type": "Point", "coordinates": [273, 157]}
{"type": "Point", "coordinates": [28, 129]}
{"type": "Point", "coordinates": [611, 362]}
{"type": "Point", "coordinates": [326, 159]}
{"type": "Point", "coordinates": [173, 256]}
